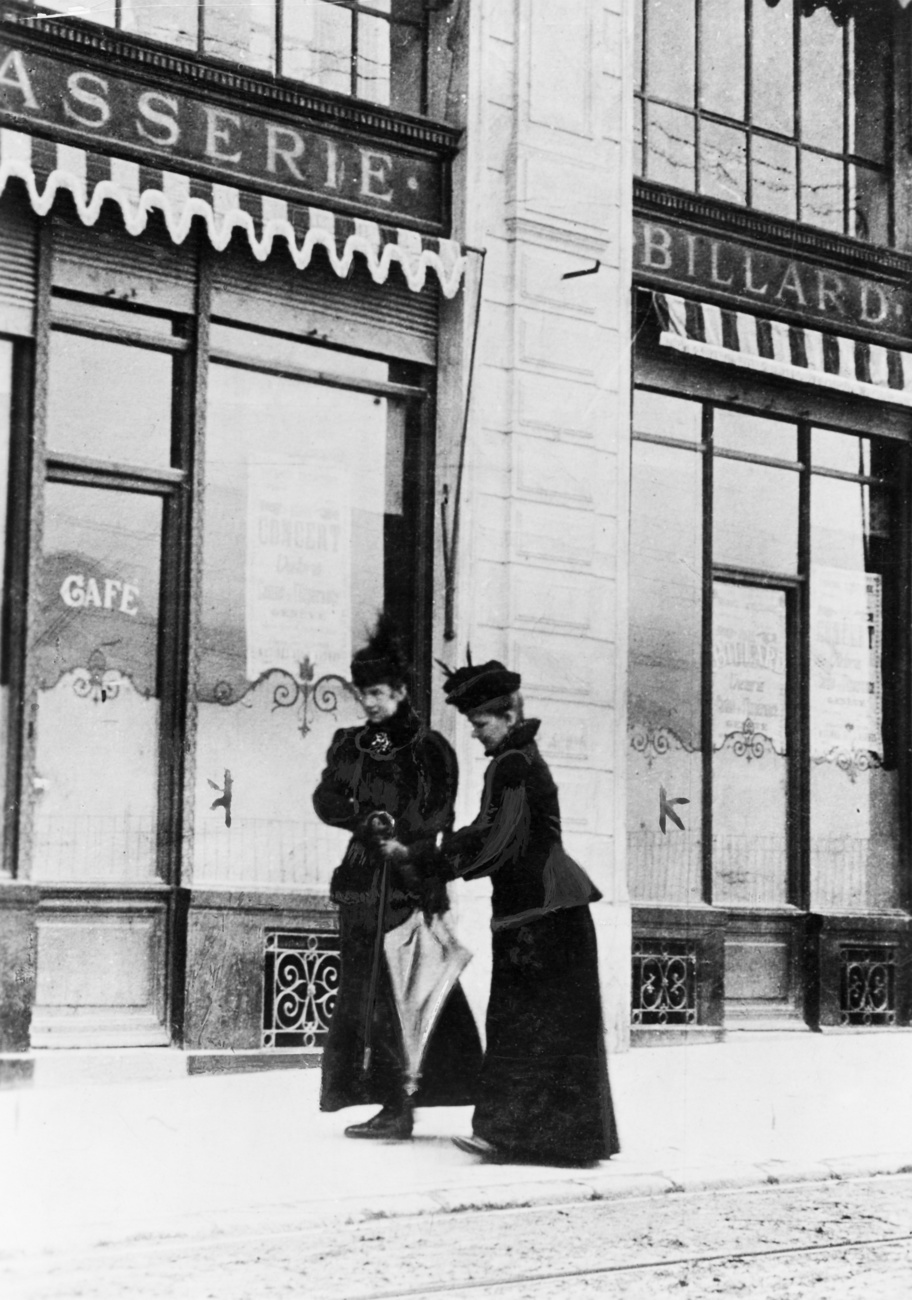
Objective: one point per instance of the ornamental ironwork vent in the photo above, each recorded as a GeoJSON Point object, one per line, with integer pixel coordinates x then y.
{"type": "Point", "coordinates": [867, 986]}
{"type": "Point", "coordinates": [301, 977]}
{"type": "Point", "coordinates": [664, 982]}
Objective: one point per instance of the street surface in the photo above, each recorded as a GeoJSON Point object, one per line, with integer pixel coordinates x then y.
{"type": "Point", "coordinates": [776, 1243]}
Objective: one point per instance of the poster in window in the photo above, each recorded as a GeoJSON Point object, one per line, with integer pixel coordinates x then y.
{"type": "Point", "coordinates": [298, 568]}
{"type": "Point", "coordinates": [749, 665]}
{"type": "Point", "coordinates": [846, 680]}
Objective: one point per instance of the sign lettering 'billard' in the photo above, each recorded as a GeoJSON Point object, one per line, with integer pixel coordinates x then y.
{"type": "Point", "coordinates": [304, 164]}
{"type": "Point", "coordinates": [692, 262]}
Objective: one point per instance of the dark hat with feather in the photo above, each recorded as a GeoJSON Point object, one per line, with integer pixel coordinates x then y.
{"type": "Point", "coordinates": [480, 686]}
{"type": "Point", "coordinates": [383, 659]}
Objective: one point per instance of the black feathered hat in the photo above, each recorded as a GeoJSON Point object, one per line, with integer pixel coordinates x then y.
{"type": "Point", "coordinates": [383, 659]}
{"type": "Point", "coordinates": [480, 686]}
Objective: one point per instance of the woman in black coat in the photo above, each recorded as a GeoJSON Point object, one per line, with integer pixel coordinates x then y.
{"type": "Point", "coordinates": [544, 1094]}
{"type": "Point", "coordinates": [390, 765]}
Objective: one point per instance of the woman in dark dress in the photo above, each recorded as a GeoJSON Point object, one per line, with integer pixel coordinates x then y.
{"type": "Point", "coordinates": [393, 765]}
{"type": "Point", "coordinates": [544, 1094]}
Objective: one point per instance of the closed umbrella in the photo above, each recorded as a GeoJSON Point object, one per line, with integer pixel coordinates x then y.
{"type": "Point", "coordinates": [425, 960]}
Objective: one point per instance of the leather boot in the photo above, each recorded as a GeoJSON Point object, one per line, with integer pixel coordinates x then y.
{"type": "Point", "coordinates": [392, 1123]}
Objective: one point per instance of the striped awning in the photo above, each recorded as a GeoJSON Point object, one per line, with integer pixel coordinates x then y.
{"type": "Point", "coordinates": [47, 168]}
{"type": "Point", "coordinates": [791, 351]}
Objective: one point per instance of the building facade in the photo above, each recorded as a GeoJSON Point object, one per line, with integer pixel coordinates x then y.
{"type": "Point", "coordinates": [577, 333]}
{"type": "Point", "coordinates": [768, 621]}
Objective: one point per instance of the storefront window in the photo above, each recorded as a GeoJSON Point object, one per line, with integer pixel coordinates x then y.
{"type": "Point", "coordinates": [666, 542]}
{"type": "Point", "coordinates": [805, 571]}
{"type": "Point", "coordinates": [374, 50]}
{"type": "Point", "coordinates": [854, 831]}
{"type": "Point", "coordinates": [780, 106]}
{"type": "Point", "coordinates": [240, 30]}
{"type": "Point", "coordinates": [750, 749]}
{"type": "Point", "coordinates": [174, 21]}
{"type": "Point", "coordinates": [96, 654]}
{"type": "Point", "coordinates": [93, 411]}
{"type": "Point", "coordinates": [305, 540]}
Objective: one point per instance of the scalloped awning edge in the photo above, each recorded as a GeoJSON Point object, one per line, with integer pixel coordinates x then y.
{"type": "Point", "coordinates": [92, 179]}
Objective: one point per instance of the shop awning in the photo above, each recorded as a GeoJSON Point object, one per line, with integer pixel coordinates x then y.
{"type": "Point", "coordinates": [791, 351]}
{"type": "Point", "coordinates": [92, 179]}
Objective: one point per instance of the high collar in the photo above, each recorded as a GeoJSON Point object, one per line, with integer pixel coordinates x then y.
{"type": "Point", "coordinates": [517, 737]}
{"type": "Point", "coordinates": [403, 724]}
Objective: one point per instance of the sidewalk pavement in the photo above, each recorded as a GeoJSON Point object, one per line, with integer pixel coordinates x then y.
{"type": "Point", "coordinates": [205, 1156]}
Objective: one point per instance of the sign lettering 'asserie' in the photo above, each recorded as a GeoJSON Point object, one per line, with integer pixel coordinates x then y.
{"type": "Point", "coordinates": [752, 279]}
{"type": "Point", "coordinates": [305, 164]}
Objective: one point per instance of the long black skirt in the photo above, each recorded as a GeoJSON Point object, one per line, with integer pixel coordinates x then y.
{"type": "Point", "coordinates": [544, 1093]}
{"type": "Point", "coordinates": [453, 1060]}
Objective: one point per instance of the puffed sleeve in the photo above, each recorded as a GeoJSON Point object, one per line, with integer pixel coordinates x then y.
{"type": "Point", "coordinates": [441, 783]}
{"type": "Point", "coordinates": [429, 818]}
{"type": "Point", "coordinates": [500, 834]}
{"type": "Point", "coordinates": [333, 799]}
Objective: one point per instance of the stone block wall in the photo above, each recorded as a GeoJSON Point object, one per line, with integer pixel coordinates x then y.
{"type": "Point", "coordinates": [544, 187]}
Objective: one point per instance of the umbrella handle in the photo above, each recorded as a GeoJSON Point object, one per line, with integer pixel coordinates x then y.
{"type": "Point", "coordinates": [375, 968]}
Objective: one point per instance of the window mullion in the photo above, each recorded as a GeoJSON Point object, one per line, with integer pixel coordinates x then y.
{"type": "Point", "coordinates": [25, 588]}
{"type": "Point", "coordinates": [848, 111]}
{"type": "Point", "coordinates": [796, 108]}
{"type": "Point", "coordinates": [698, 96]}
{"type": "Point", "coordinates": [799, 692]}
{"type": "Point", "coordinates": [749, 102]}
{"type": "Point", "coordinates": [644, 102]}
{"type": "Point", "coordinates": [706, 673]}
{"type": "Point", "coordinates": [355, 33]}
{"type": "Point", "coordinates": [279, 35]}
{"type": "Point", "coordinates": [193, 528]}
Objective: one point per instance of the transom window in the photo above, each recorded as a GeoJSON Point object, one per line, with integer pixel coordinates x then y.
{"type": "Point", "coordinates": [780, 105]}
{"type": "Point", "coordinates": [374, 50]}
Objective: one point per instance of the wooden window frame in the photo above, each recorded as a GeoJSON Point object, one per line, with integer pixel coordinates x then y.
{"type": "Point", "coordinates": [182, 489]}
{"type": "Point", "coordinates": [890, 168]}
{"type": "Point", "coordinates": [796, 588]}
{"type": "Point", "coordinates": [357, 8]}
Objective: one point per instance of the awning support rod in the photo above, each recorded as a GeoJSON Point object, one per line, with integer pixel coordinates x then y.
{"type": "Point", "coordinates": [450, 533]}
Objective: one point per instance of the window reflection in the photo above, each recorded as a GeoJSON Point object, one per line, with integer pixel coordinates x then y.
{"type": "Point", "coordinates": [375, 50]}
{"type": "Point", "coordinates": [96, 655]}
{"type": "Point", "coordinates": [822, 103]}
{"type": "Point", "coordinates": [772, 67]}
{"type": "Point", "coordinates": [374, 59]}
{"type": "Point", "coordinates": [722, 45]}
{"type": "Point", "coordinates": [749, 74]}
{"type": "Point", "coordinates": [671, 53]}
{"type": "Point", "coordinates": [662, 416]}
{"type": "Point", "coordinates": [754, 434]}
{"type": "Point", "coordinates": [305, 539]}
{"type": "Point", "coordinates": [869, 110]}
{"type": "Point", "coordinates": [671, 146]}
{"type": "Point", "coordinates": [831, 450]}
{"type": "Point", "coordinates": [854, 781]}
{"type": "Point", "coordinates": [240, 30]}
{"type": "Point", "coordinates": [124, 409]}
{"type": "Point", "coordinates": [848, 629]}
{"type": "Point", "coordinates": [723, 162]}
{"type": "Point", "coordinates": [822, 191]}
{"type": "Point", "coordinates": [750, 763]}
{"type": "Point", "coordinates": [869, 205]}
{"type": "Point", "coordinates": [664, 685]}
{"type": "Point", "coordinates": [774, 178]}
{"type": "Point", "coordinates": [174, 21]}
{"type": "Point", "coordinates": [755, 516]}
{"type": "Point", "coordinates": [318, 41]}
